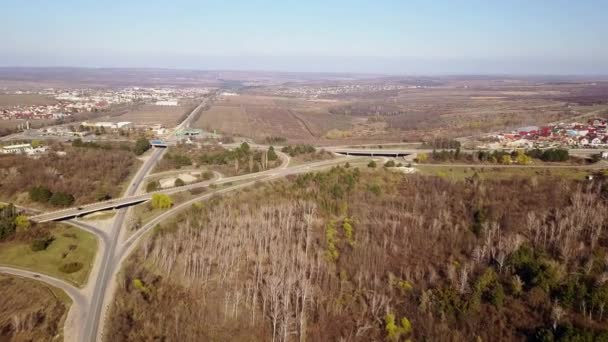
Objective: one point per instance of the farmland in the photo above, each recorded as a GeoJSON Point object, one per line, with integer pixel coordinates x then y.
{"type": "Point", "coordinates": [148, 114]}
{"type": "Point", "coordinates": [259, 117]}
{"type": "Point", "coordinates": [7, 100]}
{"type": "Point", "coordinates": [397, 110]}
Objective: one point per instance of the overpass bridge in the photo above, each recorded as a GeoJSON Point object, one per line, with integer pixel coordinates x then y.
{"type": "Point", "coordinates": [362, 152]}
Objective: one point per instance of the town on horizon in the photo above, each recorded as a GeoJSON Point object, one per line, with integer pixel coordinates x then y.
{"type": "Point", "coordinates": [304, 171]}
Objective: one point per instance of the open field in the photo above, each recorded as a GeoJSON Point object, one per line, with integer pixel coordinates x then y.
{"type": "Point", "coordinates": [70, 245]}
{"type": "Point", "coordinates": [259, 117]}
{"type": "Point", "coordinates": [31, 310]}
{"type": "Point", "coordinates": [25, 100]}
{"type": "Point", "coordinates": [167, 116]}
{"type": "Point", "coordinates": [447, 107]}
{"type": "Point", "coordinates": [12, 124]}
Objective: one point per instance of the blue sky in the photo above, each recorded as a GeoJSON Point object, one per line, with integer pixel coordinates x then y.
{"type": "Point", "coordinates": [412, 37]}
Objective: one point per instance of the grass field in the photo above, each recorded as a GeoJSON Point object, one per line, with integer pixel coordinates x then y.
{"type": "Point", "coordinates": [70, 245]}
{"type": "Point", "coordinates": [39, 307]}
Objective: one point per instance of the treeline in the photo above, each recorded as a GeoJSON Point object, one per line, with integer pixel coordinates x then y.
{"type": "Point", "coordinates": [306, 153]}
{"type": "Point", "coordinates": [141, 145]}
{"type": "Point", "coordinates": [237, 161]}
{"type": "Point", "coordinates": [375, 255]}
{"type": "Point", "coordinates": [42, 194]}
{"type": "Point", "coordinates": [8, 221]}
{"type": "Point", "coordinates": [441, 143]}
{"type": "Point", "coordinates": [296, 150]}
{"type": "Point", "coordinates": [496, 157]}
{"type": "Point", "coordinates": [275, 140]}
{"type": "Point", "coordinates": [13, 224]}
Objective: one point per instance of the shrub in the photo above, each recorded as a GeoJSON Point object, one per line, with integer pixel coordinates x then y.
{"type": "Point", "coordinates": [389, 163]}
{"type": "Point", "coordinates": [140, 286]}
{"type": "Point", "coordinates": [272, 155]}
{"type": "Point", "coordinates": [179, 182]}
{"type": "Point", "coordinates": [371, 164]}
{"type": "Point", "coordinates": [394, 331]}
{"type": "Point", "coordinates": [71, 267]}
{"type": "Point", "coordinates": [141, 146]}
{"type": "Point", "coordinates": [40, 194]}
{"type": "Point", "coordinates": [374, 189]}
{"type": "Point", "coordinates": [152, 186]}
{"type": "Point", "coordinates": [207, 175]}
{"type": "Point", "coordinates": [422, 157]}
{"type": "Point", "coordinates": [41, 244]}
{"type": "Point", "coordinates": [61, 199]}
{"type": "Point", "coordinates": [161, 201]}
{"type": "Point", "coordinates": [22, 223]}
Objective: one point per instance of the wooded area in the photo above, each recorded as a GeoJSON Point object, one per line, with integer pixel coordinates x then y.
{"type": "Point", "coordinates": [82, 175]}
{"type": "Point", "coordinates": [350, 255]}
{"type": "Point", "coordinates": [230, 162]}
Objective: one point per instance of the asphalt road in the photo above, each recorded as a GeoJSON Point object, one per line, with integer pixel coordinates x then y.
{"type": "Point", "coordinates": [91, 328]}
{"type": "Point", "coordinates": [77, 311]}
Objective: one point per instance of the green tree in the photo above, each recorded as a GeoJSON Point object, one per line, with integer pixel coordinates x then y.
{"type": "Point", "coordinates": [506, 159]}
{"type": "Point", "coordinates": [394, 331]}
{"type": "Point", "coordinates": [40, 194]}
{"type": "Point", "coordinates": [371, 164]}
{"type": "Point", "coordinates": [272, 155]}
{"type": "Point", "coordinates": [179, 182]}
{"type": "Point", "coordinates": [141, 145]}
{"type": "Point", "coordinates": [161, 201]}
{"type": "Point", "coordinates": [61, 199]}
{"type": "Point", "coordinates": [152, 186]}
{"type": "Point", "coordinates": [245, 148]}
{"type": "Point", "coordinates": [422, 157]}
{"type": "Point", "coordinates": [522, 158]}
{"type": "Point", "coordinates": [22, 223]}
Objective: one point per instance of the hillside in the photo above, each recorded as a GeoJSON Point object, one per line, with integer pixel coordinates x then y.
{"type": "Point", "coordinates": [352, 255]}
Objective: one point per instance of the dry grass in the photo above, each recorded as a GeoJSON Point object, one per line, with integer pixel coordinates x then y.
{"type": "Point", "coordinates": [30, 310]}
{"type": "Point", "coordinates": [259, 117]}
{"type": "Point", "coordinates": [151, 114]}
{"type": "Point", "coordinates": [25, 100]}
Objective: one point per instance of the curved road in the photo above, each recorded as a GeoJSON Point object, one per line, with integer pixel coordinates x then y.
{"type": "Point", "coordinates": [76, 312]}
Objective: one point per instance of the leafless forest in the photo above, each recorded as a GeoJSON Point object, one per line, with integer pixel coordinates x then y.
{"type": "Point", "coordinates": [85, 173]}
{"type": "Point", "coordinates": [358, 256]}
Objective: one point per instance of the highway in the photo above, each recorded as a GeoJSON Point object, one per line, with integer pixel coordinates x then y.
{"type": "Point", "coordinates": [91, 330]}
{"type": "Point", "coordinates": [91, 304]}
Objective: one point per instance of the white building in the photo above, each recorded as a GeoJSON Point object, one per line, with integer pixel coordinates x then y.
{"type": "Point", "coordinates": [16, 149]}
{"type": "Point", "coordinates": [166, 103]}
{"type": "Point", "coordinates": [109, 125]}
{"type": "Point", "coordinates": [23, 149]}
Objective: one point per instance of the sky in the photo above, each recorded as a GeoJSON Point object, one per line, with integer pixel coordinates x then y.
{"type": "Point", "coordinates": [382, 36]}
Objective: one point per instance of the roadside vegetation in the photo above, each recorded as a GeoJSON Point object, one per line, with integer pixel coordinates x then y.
{"type": "Point", "coordinates": [230, 162]}
{"type": "Point", "coordinates": [66, 175]}
{"type": "Point", "coordinates": [375, 255]}
{"type": "Point", "coordinates": [61, 251]}
{"type": "Point", "coordinates": [306, 153]}
{"type": "Point", "coordinates": [520, 157]}
{"type": "Point", "coordinates": [31, 310]}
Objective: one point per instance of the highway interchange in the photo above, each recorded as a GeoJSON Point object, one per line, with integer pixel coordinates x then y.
{"type": "Point", "coordinates": [86, 317]}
